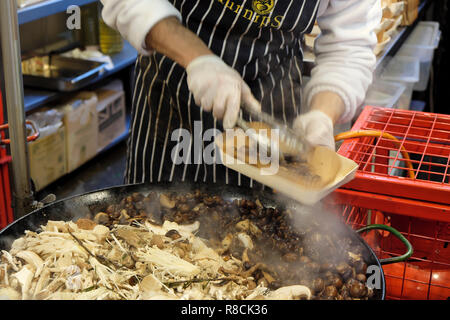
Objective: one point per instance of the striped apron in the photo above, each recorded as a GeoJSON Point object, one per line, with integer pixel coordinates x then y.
{"type": "Point", "coordinates": [261, 39]}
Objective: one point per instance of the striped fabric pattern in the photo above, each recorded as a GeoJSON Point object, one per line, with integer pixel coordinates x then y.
{"type": "Point", "coordinates": [264, 49]}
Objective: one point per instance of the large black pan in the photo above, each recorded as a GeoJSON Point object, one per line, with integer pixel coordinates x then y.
{"type": "Point", "coordinates": [78, 206]}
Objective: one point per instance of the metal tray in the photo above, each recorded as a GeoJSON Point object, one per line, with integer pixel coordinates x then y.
{"type": "Point", "coordinates": [60, 73]}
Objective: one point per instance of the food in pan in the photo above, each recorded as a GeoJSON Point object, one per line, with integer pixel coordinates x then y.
{"type": "Point", "coordinates": [183, 246]}
{"type": "Point", "coordinates": [316, 171]}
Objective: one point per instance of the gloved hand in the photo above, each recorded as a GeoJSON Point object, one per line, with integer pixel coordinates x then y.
{"type": "Point", "coordinates": [219, 88]}
{"type": "Point", "coordinates": [317, 128]}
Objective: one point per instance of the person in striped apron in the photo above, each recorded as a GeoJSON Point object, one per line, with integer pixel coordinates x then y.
{"type": "Point", "coordinates": [200, 60]}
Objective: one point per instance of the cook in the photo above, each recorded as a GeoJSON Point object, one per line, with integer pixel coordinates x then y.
{"type": "Point", "coordinates": [200, 60]}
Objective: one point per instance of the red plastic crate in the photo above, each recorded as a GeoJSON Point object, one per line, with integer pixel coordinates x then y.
{"type": "Point", "coordinates": [426, 275]}
{"type": "Point", "coordinates": [426, 138]}
{"type": "Point", "coordinates": [418, 207]}
{"type": "Point", "coordinates": [6, 213]}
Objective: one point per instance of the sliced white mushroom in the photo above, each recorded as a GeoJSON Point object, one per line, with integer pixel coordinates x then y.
{"type": "Point", "coordinates": [64, 261]}
{"type": "Point", "coordinates": [72, 270]}
{"type": "Point", "coordinates": [162, 296]}
{"type": "Point", "coordinates": [101, 232]}
{"type": "Point", "coordinates": [67, 269]}
{"type": "Point", "coordinates": [159, 230]}
{"type": "Point", "coordinates": [4, 274]}
{"type": "Point", "coordinates": [256, 293]}
{"type": "Point", "coordinates": [24, 276]}
{"type": "Point", "coordinates": [96, 294]}
{"type": "Point", "coordinates": [248, 226]}
{"type": "Point", "coordinates": [33, 259]}
{"type": "Point", "coordinates": [8, 293]}
{"type": "Point", "coordinates": [42, 282]}
{"type": "Point", "coordinates": [10, 259]}
{"type": "Point", "coordinates": [184, 230]}
{"type": "Point", "coordinates": [56, 226]}
{"type": "Point", "coordinates": [168, 262]}
{"type": "Point", "coordinates": [290, 293]}
{"type": "Point", "coordinates": [193, 294]}
{"type": "Point", "coordinates": [245, 240]}
{"type": "Point", "coordinates": [149, 286]}
{"type": "Point", "coordinates": [18, 245]}
{"type": "Point", "coordinates": [74, 282]}
{"type": "Point", "coordinates": [191, 228]}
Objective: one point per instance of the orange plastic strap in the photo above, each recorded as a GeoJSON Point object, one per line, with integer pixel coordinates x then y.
{"type": "Point", "coordinates": [379, 134]}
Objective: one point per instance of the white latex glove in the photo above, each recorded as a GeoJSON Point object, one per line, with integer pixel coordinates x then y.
{"type": "Point", "coordinates": [317, 128]}
{"type": "Point", "coordinates": [219, 88]}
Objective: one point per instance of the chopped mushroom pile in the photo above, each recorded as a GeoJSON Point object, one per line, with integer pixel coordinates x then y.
{"type": "Point", "coordinates": [180, 246]}
{"type": "Point", "coordinates": [84, 260]}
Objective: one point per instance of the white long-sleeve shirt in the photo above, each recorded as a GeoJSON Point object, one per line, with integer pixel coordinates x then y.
{"type": "Point", "coordinates": [344, 50]}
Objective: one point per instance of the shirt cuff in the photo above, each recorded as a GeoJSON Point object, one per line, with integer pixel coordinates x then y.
{"type": "Point", "coordinates": [144, 17]}
{"type": "Point", "coordinates": [348, 113]}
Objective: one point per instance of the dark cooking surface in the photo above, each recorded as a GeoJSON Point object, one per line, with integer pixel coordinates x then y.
{"type": "Point", "coordinates": [81, 206]}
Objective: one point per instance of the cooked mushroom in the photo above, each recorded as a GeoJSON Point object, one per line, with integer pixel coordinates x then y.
{"type": "Point", "coordinates": [330, 292]}
{"type": "Point", "coordinates": [290, 257]}
{"type": "Point", "coordinates": [157, 240]}
{"type": "Point", "coordinates": [86, 224]}
{"type": "Point", "coordinates": [245, 259]}
{"type": "Point", "coordinates": [24, 277]}
{"type": "Point", "coordinates": [173, 234]}
{"type": "Point", "coordinates": [101, 218]}
{"type": "Point", "coordinates": [248, 226]}
{"type": "Point", "coordinates": [290, 293]}
{"type": "Point", "coordinates": [358, 290]}
{"type": "Point", "coordinates": [123, 218]}
{"type": "Point", "coordinates": [318, 285]}
{"type": "Point", "coordinates": [32, 259]}
{"type": "Point", "coordinates": [166, 202]}
{"type": "Point", "coordinates": [361, 277]}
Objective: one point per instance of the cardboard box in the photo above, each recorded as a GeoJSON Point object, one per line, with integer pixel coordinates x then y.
{"type": "Point", "coordinates": [47, 157]}
{"type": "Point", "coordinates": [110, 113]}
{"type": "Point", "coordinates": [81, 129]}
{"type": "Point", "coordinates": [411, 12]}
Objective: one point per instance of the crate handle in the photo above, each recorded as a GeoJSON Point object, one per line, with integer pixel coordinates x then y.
{"type": "Point", "coordinates": [378, 134]}
{"type": "Point", "coordinates": [405, 241]}
{"type": "Point", "coordinates": [34, 133]}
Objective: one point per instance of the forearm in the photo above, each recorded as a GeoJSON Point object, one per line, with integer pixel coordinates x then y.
{"type": "Point", "coordinates": [171, 38]}
{"type": "Point", "coordinates": [329, 103]}
{"type": "Point", "coordinates": [344, 53]}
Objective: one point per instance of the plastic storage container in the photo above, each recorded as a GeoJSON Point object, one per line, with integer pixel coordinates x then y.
{"type": "Point", "coordinates": [384, 94]}
{"type": "Point", "coordinates": [404, 70]}
{"type": "Point", "coordinates": [421, 44]}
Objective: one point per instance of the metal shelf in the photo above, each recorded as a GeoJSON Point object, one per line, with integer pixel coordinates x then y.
{"type": "Point", "coordinates": [47, 8]}
{"type": "Point", "coordinates": [35, 97]}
